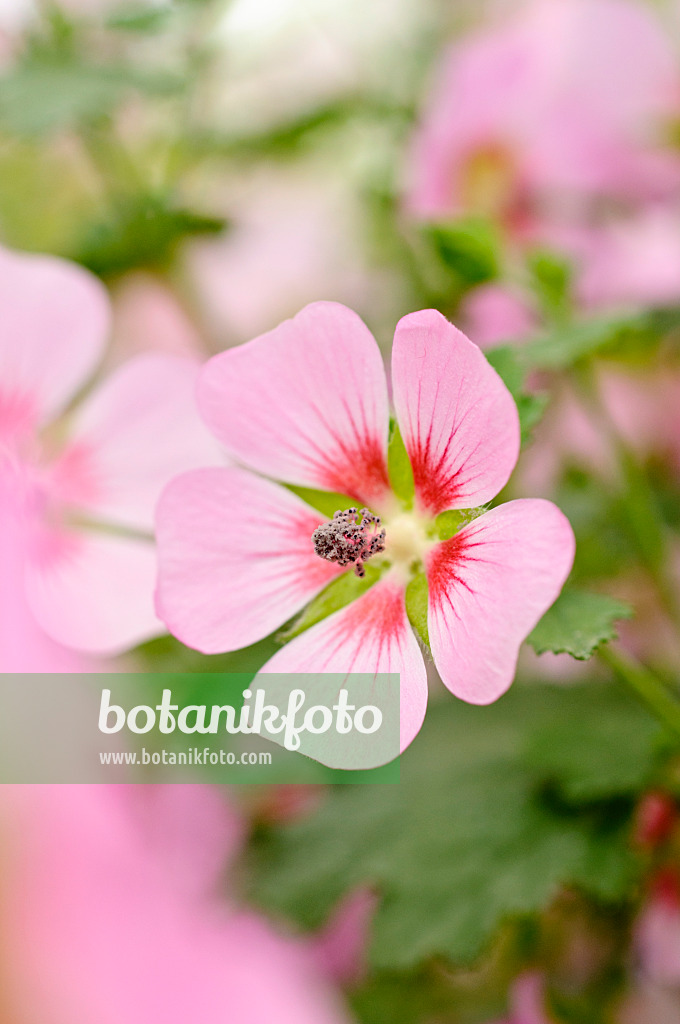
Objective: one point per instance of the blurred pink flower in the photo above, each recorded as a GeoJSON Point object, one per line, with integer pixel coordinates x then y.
{"type": "Point", "coordinates": [556, 125]}
{"type": "Point", "coordinates": [657, 931]}
{"type": "Point", "coordinates": [78, 483]}
{"type": "Point", "coordinates": [292, 238]}
{"type": "Point", "coordinates": [307, 404]}
{"type": "Point", "coordinates": [656, 816]}
{"type": "Point", "coordinates": [642, 405]}
{"type": "Point", "coordinates": [147, 317]}
{"type": "Point", "coordinates": [111, 911]}
{"type": "Point", "coordinates": [569, 95]}
{"type": "Point", "coordinates": [626, 261]}
{"type": "Point", "coordinates": [494, 314]}
{"type": "Point", "coordinates": [527, 1001]}
{"type": "Point", "coordinates": [341, 947]}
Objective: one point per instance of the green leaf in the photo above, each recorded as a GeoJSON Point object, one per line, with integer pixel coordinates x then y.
{"type": "Point", "coordinates": [142, 231]}
{"type": "Point", "coordinates": [336, 595]}
{"type": "Point", "coordinates": [399, 468]}
{"type": "Point", "coordinates": [327, 502]}
{"type": "Point", "coordinates": [50, 93]}
{"type": "Point", "coordinates": [469, 247]}
{"type": "Point", "coordinates": [568, 345]}
{"type": "Point", "coordinates": [552, 278]}
{"type": "Point", "coordinates": [416, 606]}
{"type": "Point", "coordinates": [578, 623]}
{"type": "Point", "coordinates": [132, 17]}
{"type": "Point", "coordinates": [597, 748]}
{"type": "Point", "coordinates": [471, 839]}
{"type": "Point", "coordinates": [509, 363]}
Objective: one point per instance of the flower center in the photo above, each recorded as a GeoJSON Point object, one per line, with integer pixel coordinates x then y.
{"type": "Point", "coordinates": [351, 537]}
{"type": "Point", "coordinates": [355, 535]}
{"type": "Point", "coordinates": [488, 184]}
{"type": "Point", "coordinates": [406, 541]}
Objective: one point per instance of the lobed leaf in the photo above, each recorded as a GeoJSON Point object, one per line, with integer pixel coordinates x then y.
{"type": "Point", "coordinates": [472, 837]}
{"type": "Point", "coordinates": [578, 623]}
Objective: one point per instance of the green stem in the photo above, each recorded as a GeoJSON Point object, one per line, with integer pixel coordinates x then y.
{"type": "Point", "coordinates": [646, 686]}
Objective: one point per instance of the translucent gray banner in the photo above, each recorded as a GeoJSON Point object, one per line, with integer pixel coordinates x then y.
{"type": "Point", "coordinates": [188, 727]}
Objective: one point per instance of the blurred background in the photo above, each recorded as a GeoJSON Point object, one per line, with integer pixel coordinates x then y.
{"type": "Point", "coordinates": [517, 166]}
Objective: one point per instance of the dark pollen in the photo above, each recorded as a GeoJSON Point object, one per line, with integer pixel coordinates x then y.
{"type": "Point", "coordinates": [352, 536]}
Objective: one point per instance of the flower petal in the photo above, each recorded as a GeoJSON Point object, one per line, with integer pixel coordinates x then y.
{"type": "Point", "coordinates": [103, 927]}
{"type": "Point", "coordinates": [305, 403]}
{"type": "Point", "coordinates": [134, 434]}
{"type": "Point", "coordinates": [458, 420]}
{"type": "Point", "coordinates": [236, 558]}
{"type": "Point", "coordinates": [372, 634]}
{"type": "Point", "coordinates": [488, 587]}
{"type": "Point", "coordinates": [94, 591]}
{"type": "Point", "coordinates": [24, 646]}
{"type": "Point", "coordinates": [55, 319]}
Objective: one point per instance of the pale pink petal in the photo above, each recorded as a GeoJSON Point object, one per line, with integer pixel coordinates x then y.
{"type": "Point", "coordinates": [148, 317]}
{"type": "Point", "coordinates": [633, 262]}
{"type": "Point", "coordinates": [488, 587]}
{"type": "Point", "coordinates": [485, 100]}
{"type": "Point", "coordinates": [305, 403]}
{"type": "Point", "coordinates": [372, 634]}
{"type": "Point", "coordinates": [528, 999]}
{"type": "Point", "coordinates": [193, 830]}
{"type": "Point", "coordinates": [573, 95]}
{"type": "Point", "coordinates": [494, 314]}
{"type": "Point", "coordinates": [24, 645]}
{"type": "Point", "coordinates": [136, 432]}
{"type": "Point", "coordinates": [94, 591]}
{"type": "Point", "coordinates": [657, 931]}
{"type": "Point", "coordinates": [100, 929]}
{"type": "Point", "coordinates": [236, 558]}
{"type": "Point", "coordinates": [341, 948]}
{"type": "Point", "coordinates": [458, 420]}
{"type": "Point", "coordinates": [54, 324]}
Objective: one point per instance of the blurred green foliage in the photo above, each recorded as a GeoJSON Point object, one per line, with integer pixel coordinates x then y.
{"type": "Point", "coordinates": [498, 808]}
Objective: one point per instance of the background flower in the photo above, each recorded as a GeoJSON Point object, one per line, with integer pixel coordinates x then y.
{"type": "Point", "coordinates": [78, 484]}
{"type": "Point", "coordinates": [159, 939]}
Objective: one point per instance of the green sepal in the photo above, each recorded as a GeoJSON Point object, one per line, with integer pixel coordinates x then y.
{"type": "Point", "coordinates": [447, 524]}
{"type": "Point", "coordinates": [399, 467]}
{"type": "Point", "coordinates": [342, 591]}
{"type": "Point", "coordinates": [327, 502]}
{"type": "Point", "coordinates": [416, 606]}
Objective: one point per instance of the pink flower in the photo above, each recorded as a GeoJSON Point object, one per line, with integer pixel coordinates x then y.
{"type": "Point", "coordinates": [493, 314]}
{"type": "Point", "coordinates": [307, 404]}
{"type": "Point", "coordinates": [569, 97]}
{"type": "Point", "coordinates": [147, 317]}
{"type": "Point", "coordinates": [555, 124]}
{"type": "Point", "coordinates": [342, 947]}
{"type": "Point", "coordinates": [634, 261]}
{"type": "Point", "coordinates": [111, 911]}
{"type": "Point", "coordinates": [657, 930]}
{"type": "Point", "coordinates": [78, 482]}
{"type": "Point", "coordinates": [527, 1002]}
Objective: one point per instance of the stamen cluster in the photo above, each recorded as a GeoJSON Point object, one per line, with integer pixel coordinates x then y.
{"type": "Point", "coordinates": [352, 536]}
